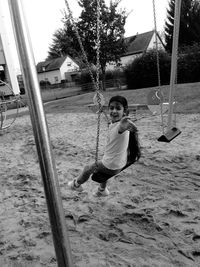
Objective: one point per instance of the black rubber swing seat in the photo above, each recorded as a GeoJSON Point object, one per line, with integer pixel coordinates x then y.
{"type": "Point", "coordinates": [101, 177]}
{"type": "Point", "coordinates": [169, 135]}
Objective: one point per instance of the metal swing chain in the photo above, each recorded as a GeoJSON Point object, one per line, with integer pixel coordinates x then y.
{"type": "Point", "coordinates": [97, 82]}
{"type": "Point", "coordinates": [158, 65]}
{"type": "Point", "coordinates": [80, 43]}
{"type": "Point", "coordinates": [173, 82]}
{"type": "Point", "coordinates": [176, 70]}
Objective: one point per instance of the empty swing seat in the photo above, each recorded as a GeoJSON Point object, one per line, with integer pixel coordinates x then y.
{"type": "Point", "coordinates": [169, 135]}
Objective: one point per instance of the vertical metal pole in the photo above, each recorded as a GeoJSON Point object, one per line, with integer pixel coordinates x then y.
{"type": "Point", "coordinates": [41, 133]}
{"type": "Point", "coordinates": [174, 60]}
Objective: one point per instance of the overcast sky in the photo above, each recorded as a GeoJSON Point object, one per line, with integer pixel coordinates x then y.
{"type": "Point", "coordinates": [44, 18]}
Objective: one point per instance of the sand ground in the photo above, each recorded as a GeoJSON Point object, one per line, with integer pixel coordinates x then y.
{"type": "Point", "coordinates": [150, 219]}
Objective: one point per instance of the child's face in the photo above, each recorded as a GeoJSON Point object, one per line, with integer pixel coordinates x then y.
{"type": "Point", "coordinates": [116, 111]}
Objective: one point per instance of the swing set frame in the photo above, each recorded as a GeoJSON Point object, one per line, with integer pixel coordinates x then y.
{"type": "Point", "coordinates": [41, 134]}
{"type": "Point", "coordinates": [172, 130]}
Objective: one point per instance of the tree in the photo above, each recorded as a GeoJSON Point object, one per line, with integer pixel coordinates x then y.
{"type": "Point", "coordinates": [189, 23]}
{"type": "Point", "coordinates": [64, 42]}
{"type": "Point", "coordinates": [143, 72]}
{"type": "Point", "coordinates": [189, 64]}
{"type": "Point", "coordinates": [195, 21]}
{"type": "Point", "coordinates": [111, 33]}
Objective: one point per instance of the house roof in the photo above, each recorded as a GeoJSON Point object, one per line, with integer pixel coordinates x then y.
{"type": "Point", "coordinates": [138, 43]}
{"type": "Point", "coordinates": [49, 65]}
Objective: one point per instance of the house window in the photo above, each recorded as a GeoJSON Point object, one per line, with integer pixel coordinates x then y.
{"type": "Point", "coordinates": [56, 79]}
{"type": "Point", "coordinates": [69, 64]}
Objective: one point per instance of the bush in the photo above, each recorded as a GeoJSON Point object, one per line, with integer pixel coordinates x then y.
{"type": "Point", "coordinates": [86, 78]}
{"type": "Point", "coordinates": [44, 83]}
{"type": "Point", "coordinates": [143, 72]}
{"type": "Point", "coordinates": [189, 64]}
{"type": "Point", "coordinates": [64, 81]}
{"type": "Point", "coordinates": [116, 76]}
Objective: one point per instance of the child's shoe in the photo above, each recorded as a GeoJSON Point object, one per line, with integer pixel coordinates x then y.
{"type": "Point", "coordinates": [74, 187]}
{"type": "Point", "coordinates": [101, 192]}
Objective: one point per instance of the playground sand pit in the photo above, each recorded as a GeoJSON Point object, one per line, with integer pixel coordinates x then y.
{"type": "Point", "coordinates": [151, 217]}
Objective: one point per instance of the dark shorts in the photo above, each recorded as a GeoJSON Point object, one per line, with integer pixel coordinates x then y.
{"type": "Point", "coordinates": [102, 174]}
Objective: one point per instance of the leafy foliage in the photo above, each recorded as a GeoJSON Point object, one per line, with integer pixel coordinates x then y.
{"type": "Point", "coordinates": [111, 34]}
{"type": "Point", "coordinates": [189, 64]}
{"type": "Point", "coordinates": [111, 31]}
{"type": "Point", "coordinates": [189, 31]}
{"type": "Point", "coordinates": [64, 42]}
{"type": "Point", "coordinates": [143, 72]}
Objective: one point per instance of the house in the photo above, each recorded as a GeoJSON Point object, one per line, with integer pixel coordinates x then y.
{"type": "Point", "coordinates": [58, 69]}
{"type": "Point", "coordinates": [137, 45]}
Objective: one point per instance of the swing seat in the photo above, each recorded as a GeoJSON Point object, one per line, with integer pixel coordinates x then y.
{"type": "Point", "coordinates": [101, 177]}
{"type": "Point", "coordinates": [169, 135]}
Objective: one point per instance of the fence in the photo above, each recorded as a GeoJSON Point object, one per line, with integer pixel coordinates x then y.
{"type": "Point", "coordinates": [62, 90]}
{"type": "Point", "coordinates": [109, 84]}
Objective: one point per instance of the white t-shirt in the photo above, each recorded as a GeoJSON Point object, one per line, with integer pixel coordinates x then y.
{"type": "Point", "coordinates": [115, 155]}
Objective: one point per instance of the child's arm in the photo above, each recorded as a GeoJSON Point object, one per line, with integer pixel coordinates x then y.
{"type": "Point", "coordinates": [126, 125]}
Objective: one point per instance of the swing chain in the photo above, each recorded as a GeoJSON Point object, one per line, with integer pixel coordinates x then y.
{"type": "Point", "coordinates": [176, 71]}
{"type": "Point", "coordinates": [97, 82]}
{"type": "Point", "coordinates": [80, 43]}
{"type": "Point", "coordinates": [158, 66]}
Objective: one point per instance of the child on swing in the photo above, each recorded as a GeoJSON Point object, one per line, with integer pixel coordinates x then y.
{"type": "Point", "coordinates": [116, 152]}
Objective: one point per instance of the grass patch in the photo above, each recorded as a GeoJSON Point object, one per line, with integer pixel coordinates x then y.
{"type": "Point", "coordinates": [187, 96]}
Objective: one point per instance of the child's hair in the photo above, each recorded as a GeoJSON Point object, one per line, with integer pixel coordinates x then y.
{"type": "Point", "coordinates": [134, 149]}
{"type": "Point", "coordinates": [122, 100]}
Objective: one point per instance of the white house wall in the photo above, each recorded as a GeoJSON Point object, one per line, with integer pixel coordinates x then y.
{"type": "Point", "coordinates": [68, 66]}
{"type": "Point", "coordinates": [126, 60]}
{"type": "Point", "coordinates": [55, 76]}
{"type": "Point", "coordinates": [152, 43]}
{"type": "Point", "coordinates": [50, 76]}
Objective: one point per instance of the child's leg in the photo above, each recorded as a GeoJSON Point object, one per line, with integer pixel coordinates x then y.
{"type": "Point", "coordinates": [90, 169]}
{"type": "Point", "coordinates": [102, 190]}
{"type": "Point", "coordinates": [76, 184]}
{"type": "Point", "coordinates": [85, 175]}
